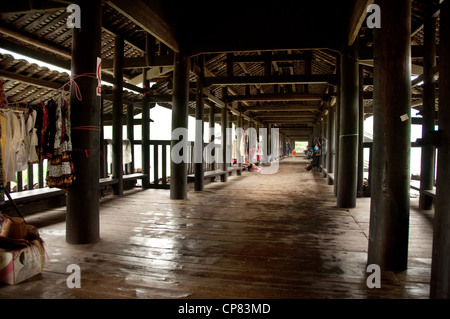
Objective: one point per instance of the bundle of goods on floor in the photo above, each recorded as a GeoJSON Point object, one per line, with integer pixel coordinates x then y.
{"type": "Point", "coordinates": [21, 250]}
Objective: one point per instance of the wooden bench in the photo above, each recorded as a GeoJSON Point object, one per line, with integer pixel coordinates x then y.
{"type": "Point", "coordinates": [108, 181]}
{"type": "Point", "coordinates": [33, 195]}
{"type": "Point", "coordinates": [216, 173]}
{"type": "Point", "coordinates": [34, 200]}
{"type": "Point", "coordinates": [416, 186]}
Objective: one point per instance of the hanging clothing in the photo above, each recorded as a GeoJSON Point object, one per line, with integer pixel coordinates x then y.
{"type": "Point", "coordinates": [22, 146]}
{"type": "Point", "coordinates": [32, 137]}
{"type": "Point", "coordinates": [49, 129]}
{"type": "Point", "coordinates": [127, 155]}
{"type": "Point", "coordinates": [60, 170]}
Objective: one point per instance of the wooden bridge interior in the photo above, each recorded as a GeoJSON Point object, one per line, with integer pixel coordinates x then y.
{"type": "Point", "coordinates": [311, 69]}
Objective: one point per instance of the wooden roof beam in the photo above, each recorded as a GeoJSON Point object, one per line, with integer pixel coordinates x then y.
{"type": "Point", "coordinates": [140, 62]}
{"type": "Point", "coordinates": [20, 7]}
{"type": "Point", "coordinates": [141, 14]}
{"type": "Point", "coordinates": [357, 19]}
{"type": "Point", "coordinates": [271, 79]}
{"type": "Point", "coordinates": [278, 97]}
{"type": "Point", "coordinates": [282, 108]}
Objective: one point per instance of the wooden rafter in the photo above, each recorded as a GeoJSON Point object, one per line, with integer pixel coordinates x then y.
{"type": "Point", "coordinates": [141, 14]}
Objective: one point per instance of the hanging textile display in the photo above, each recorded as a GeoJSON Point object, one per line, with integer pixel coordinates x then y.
{"type": "Point", "coordinates": [60, 166]}
{"type": "Point", "coordinates": [33, 135]}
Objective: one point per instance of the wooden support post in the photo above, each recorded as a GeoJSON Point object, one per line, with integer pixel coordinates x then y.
{"type": "Point", "coordinates": [145, 153]}
{"type": "Point", "coordinates": [145, 134]}
{"type": "Point", "coordinates": [103, 147]}
{"type": "Point", "coordinates": [331, 142]}
{"type": "Point", "coordinates": [390, 189]}
{"type": "Point", "coordinates": [440, 264]}
{"type": "Point", "coordinates": [224, 125]}
{"type": "Point", "coordinates": [337, 126]}
{"type": "Point", "coordinates": [19, 181]}
{"type": "Point", "coordinates": [269, 143]}
{"type": "Point", "coordinates": [30, 176]}
{"type": "Point", "coordinates": [40, 175]}
{"type": "Point", "coordinates": [212, 125]}
{"type": "Point", "coordinates": [117, 149]}
{"type": "Point", "coordinates": [325, 136]}
{"type": "Point", "coordinates": [360, 186]}
{"type": "Point", "coordinates": [82, 217]}
{"type": "Point", "coordinates": [238, 147]}
{"type": "Point", "coordinates": [130, 135]}
{"type": "Point", "coordinates": [348, 129]}
{"type": "Point", "coordinates": [199, 132]}
{"type": "Point", "coordinates": [180, 100]}
{"type": "Point", "coordinates": [427, 168]}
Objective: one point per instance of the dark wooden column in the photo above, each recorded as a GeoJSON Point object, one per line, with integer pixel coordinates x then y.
{"type": "Point", "coordinates": [330, 137]}
{"type": "Point", "coordinates": [360, 179]}
{"type": "Point", "coordinates": [269, 142]}
{"type": "Point", "coordinates": [390, 189]}
{"type": "Point", "coordinates": [323, 159]}
{"type": "Point", "coordinates": [130, 134]}
{"type": "Point", "coordinates": [180, 100]}
{"type": "Point", "coordinates": [428, 157]}
{"type": "Point", "coordinates": [241, 128]}
{"type": "Point", "coordinates": [212, 125]}
{"type": "Point", "coordinates": [117, 129]}
{"type": "Point", "coordinates": [199, 131]}
{"type": "Point", "coordinates": [103, 153]}
{"type": "Point", "coordinates": [224, 125]}
{"type": "Point", "coordinates": [145, 154]}
{"type": "Point", "coordinates": [348, 129]}
{"type": "Point", "coordinates": [337, 125]}
{"type": "Point", "coordinates": [82, 217]}
{"type": "Point", "coordinates": [440, 265]}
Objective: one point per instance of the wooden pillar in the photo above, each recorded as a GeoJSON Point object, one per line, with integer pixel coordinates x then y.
{"type": "Point", "coordinates": [82, 210]}
{"type": "Point", "coordinates": [360, 185]}
{"type": "Point", "coordinates": [269, 143]}
{"type": "Point", "coordinates": [117, 129]}
{"type": "Point", "coordinates": [199, 132]}
{"type": "Point", "coordinates": [224, 125]}
{"type": "Point", "coordinates": [331, 142]}
{"type": "Point", "coordinates": [180, 100]}
{"type": "Point", "coordinates": [104, 153]}
{"type": "Point", "coordinates": [145, 153]}
{"type": "Point", "coordinates": [348, 130]}
{"type": "Point", "coordinates": [428, 155]}
{"type": "Point", "coordinates": [337, 125]}
{"type": "Point", "coordinates": [212, 125]}
{"type": "Point", "coordinates": [130, 134]}
{"type": "Point", "coordinates": [238, 147]}
{"type": "Point", "coordinates": [390, 189]}
{"type": "Point", "coordinates": [323, 126]}
{"type": "Point", "coordinates": [440, 264]}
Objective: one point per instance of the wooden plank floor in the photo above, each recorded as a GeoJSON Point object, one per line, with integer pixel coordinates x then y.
{"type": "Point", "coordinates": [257, 236]}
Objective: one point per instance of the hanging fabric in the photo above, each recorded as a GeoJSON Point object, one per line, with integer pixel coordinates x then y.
{"type": "Point", "coordinates": [60, 166]}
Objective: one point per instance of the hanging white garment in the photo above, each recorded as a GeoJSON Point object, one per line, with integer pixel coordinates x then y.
{"type": "Point", "coordinates": [127, 157]}
{"type": "Point", "coordinates": [20, 139]}
{"type": "Point", "coordinates": [32, 137]}
{"type": "Point", "coordinates": [9, 161]}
